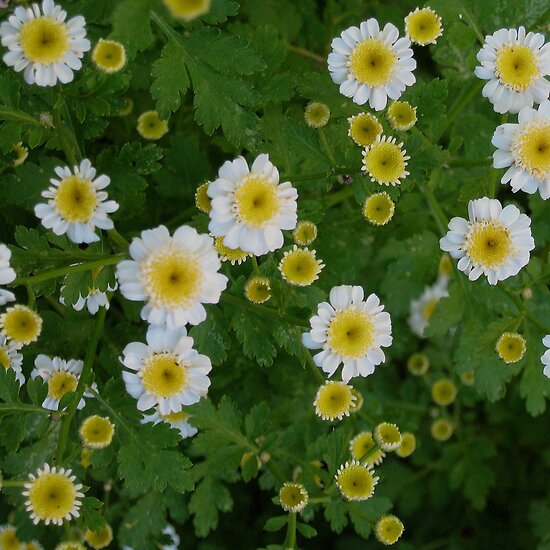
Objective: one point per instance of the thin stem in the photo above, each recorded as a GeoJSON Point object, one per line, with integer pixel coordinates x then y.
{"type": "Point", "coordinates": [255, 266]}
{"type": "Point", "coordinates": [17, 116]}
{"type": "Point", "coordinates": [319, 500]}
{"type": "Point", "coordinates": [435, 207]}
{"type": "Point", "coordinates": [64, 135]}
{"type": "Point", "coordinates": [290, 539]}
{"type": "Point", "coordinates": [463, 100]}
{"type": "Point", "coordinates": [6, 409]}
{"type": "Point", "coordinates": [313, 367]}
{"type": "Point", "coordinates": [326, 146]}
{"type": "Point", "coordinates": [275, 472]}
{"type": "Point", "coordinates": [32, 297]}
{"type": "Point", "coordinates": [338, 197]}
{"type": "Point", "coordinates": [305, 53]}
{"type": "Point", "coordinates": [83, 380]}
{"type": "Point", "coordinates": [119, 242]}
{"type": "Point", "coordinates": [528, 315]}
{"type": "Point", "coordinates": [472, 24]}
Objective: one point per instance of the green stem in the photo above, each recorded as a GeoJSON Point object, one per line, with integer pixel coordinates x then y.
{"type": "Point", "coordinates": [523, 310]}
{"type": "Point", "coordinates": [32, 297]}
{"type": "Point", "coordinates": [464, 98]}
{"type": "Point", "coordinates": [437, 211]}
{"type": "Point", "coordinates": [65, 136]}
{"type": "Point", "coordinates": [472, 24]}
{"type": "Point", "coordinates": [290, 539]}
{"type": "Point", "coordinates": [59, 272]}
{"type": "Point", "coordinates": [339, 196]}
{"type": "Point", "coordinates": [6, 408]}
{"type": "Point", "coordinates": [17, 116]}
{"type": "Point", "coordinates": [326, 146]}
{"type": "Point", "coordinates": [255, 266]}
{"type": "Point", "coordinates": [13, 483]}
{"type": "Point", "coordinates": [275, 472]}
{"type": "Point", "coordinates": [305, 53]}
{"type": "Point", "coordinates": [119, 242]}
{"type": "Point", "coordinates": [83, 380]}
{"type": "Point", "coordinates": [311, 363]}
{"type": "Point", "coordinates": [319, 500]}
{"type": "Point", "coordinates": [469, 163]}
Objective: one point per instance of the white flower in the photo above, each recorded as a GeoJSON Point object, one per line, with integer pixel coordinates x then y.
{"type": "Point", "coordinates": [494, 242]}
{"type": "Point", "coordinates": [372, 65]}
{"type": "Point", "coordinates": [7, 275]}
{"type": "Point", "coordinates": [93, 301]}
{"type": "Point", "coordinates": [175, 275]}
{"type": "Point", "coordinates": [61, 376]}
{"type": "Point", "coordinates": [10, 358]}
{"type": "Point", "coordinates": [77, 203]}
{"type": "Point", "coordinates": [350, 331]}
{"type": "Point", "coordinates": [423, 308]}
{"type": "Point", "coordinates": [515, 64]}
{"type": "Point", "coordinates": [178, 421]}
{"type": "Point", "coordinates": [167, 371]}
{"type": "Point", "coordinates": [171, 532]}
{"type": "Point", "coordinates": [43, 45]}
{"type": "Point", "coordinates": [249, 206]}
{"type": "Point", "coordinates": [525, 148]}
{"type": "Point", "coordinates": [546, 356]}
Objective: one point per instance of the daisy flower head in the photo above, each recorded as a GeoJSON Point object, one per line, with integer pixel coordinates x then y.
{"type": "Point", "coordinates": [21, 153]}
{"type": "Point", "coordinates": [401, 115]}
{"type": "Point", "coordinates": [355, 481]}
{"type": "Point", "coordinates": [334, 400]}
{"type": "Point", "coordinates": [388, 529]}
{"type": "Point", "coordinates": [444, 269]}
{"type": "Point", "coordinates": [250, 208]}
{"type": "Point", "coordinates": [524, 148]}
{"type": "Point", "coordinates": [442, 429]}
{"type": "Point", "coordinates": [385, 161]}
{"type": "Point", "coordinates": [468, 378]}
{"type": "Point", "coordinates": [7, 275]}
{"type": "Point", "coordinates": [300, 267]}
{"type": "Point", "coordinates": [363, 444]}
{"type": "Point", "coordinates": [387, 436]}
{"type": "Point", "coordinates": [408, 445]}
{"type": "Point", "coordinates": [99, 539]}
{"type": "Point", "coordinates": [293, 497]}
{"type": "Point", "coordinates": [179, 421]}
{"type": "Point", "coordinates": [545, 359]}
{"type": "Point", "coordinates": [9, 539]}
{"type": "Point", "coordinates": [444, 392]}
{"type": "Point", "coordinates": [316, 114]}
{"type": "Point", "coordinates": [515, 63]}
{"type": "Point", "coordinates": [166, 372]}
{"type": "Point", "coordinates": [378, 208]}
{"type": "Point", "coordinates": [175, 539]}
{"type": "Point", "coordinates": [77, 203]}
{"type": "Point", "coordinates": [21, 325]}
{"type": "Point", "coordinates": [418, 364]}
{"type": "Point", "coordinates": [364, 128]}
{"type": "Point", "coordinates": [109, 56]}
{"type": "Point", "coordinates": [93, 301]}
{"type": "Point", "coordinates": [423, 26]}
{"type": "Point", "coordinates": [10, 358]}
{"type": "Point", "coordinates": [175, 275]}
{"type": "Point", "coordinates": [358, 402]}
{"type": "Point", "coordinates": [257, 289]}
{"type": "Point", "coordinates": [202, 200]}
{"type": "Point", "coordinates": [70, 545]}
{"type": "Point", "coordinates": [187, 9]}
{"type": "Point", "coordinates": [494, 242]}
{"type": "Point", "coordinates": [61, 376]}
{"type": "Point", "coordinates": [422, 309]}
{"type": "Point", "coordinates": [97, 432]}
{"type": "Point", "coordinates": [33, 545]}
{"type": "Point", "coordinates": [43, 45]}
{"type": "Point", "coordinates": [511, 347]}
{"type": "Point", "coordinates": [349, 330]}
{"type": "Point", "coordinates": [371, 64]}
{"type": "Point", "coordinates": [304, 233]}
{"type": "Point", "coordinates": [232, 255]}
{"type": "Point", "coordinates": [53, 495]}
{"type": "Point", "coordinates": [151, 126]}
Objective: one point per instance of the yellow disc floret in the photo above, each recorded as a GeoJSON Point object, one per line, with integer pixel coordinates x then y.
{"type": "Point", "coordinates": [442, 429]}
{"type": "Point", "coordinates": [517, 67]}
{"type": "Point", "coordinates": [300, 267]}
{"type": "Point", "coordinates": [488, 244]}
{"type": "Point", "coordinates": [351, 333]}
{"type": "Point", "coordinates": [418, 364]}
{"type": "Point", "coordinates": [163, 375]}
{"type": "Point", "coordinates": [387, 436]}
{"type": "Point", "coordinates": [388, 529]}
{"type": "Point", "coordinates": [445, 266]}
{"type": "Point", "coordinates": [511, 347]}
{"type": "Point", "coordinates": [358, 402]}
{"type": "Point", "coordinates": [187, 9]}
{"type": "Point", "coordinates": [304, 233]}
{"type": "Point", "coordinates": [402, 115]}
{"type": "Point", "coordinates": [468, 378]}
{"type": "Point", "coordinates": [355, 481]}
{"type": "Point", "coordinates": [76, 199]}
{"type": "Point", "coordinates": [531, 149]}
{"type": "Point", "coordinates": [8, 538]}
{"type": "Point", "coordinates": [99, 539]}
{"type": "Point", "coordinates": [258, 289]}
{"type": "Point", "coordinates": [333, 400]}
{"type": "Point", "coordinates": [361, 449]}
{"type": "Point", "coordinates": [109, 56]}
{"type": "Point", "coordinates": [233, 255]}
{"type": "Point", "coordinates": [372, 62]}
{"type": "Point", "coordinates": [408, 445]}
{"type": "Point", "coordinates": [316, 114]}
{"type": "Point", "coordinates": [150, 126]}
{"type": "Point", "coordinates": [293, 497]}
{"type": "Point", "coordinates": [21, 324]}
{"type": "Point", "coordinates": [364, 128]}
{"type": "Point", "coordinates": [97, 432]}
{"type": "Point", "coordinates": [21, 154]}
{"type": "Point", "coordinates": [379, 208]}
{"type": "Point", "coordinates": [202, 201]}
{"type": "Point", "coordinates": [385, 161]}
{"type": "Point", "coordinates": [61, 383]}
{"type": "Point", "coordinates": [423, 26]}
{"type": "Point", "coordinates": [444, 391]}
{"type": "Point", "coordinates": [44, 40]}
{"type": "Point", "coordinates": [256, 201]}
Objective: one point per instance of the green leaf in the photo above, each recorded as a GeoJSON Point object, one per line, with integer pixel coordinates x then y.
{"type": "Point", "coordinates": [306, 530]}
{"type": "Point", "coordinates": [253, 332]}
{"type": "Point", "coordinates": [92, 518]}
{"type": "Point", "coordinates": [448, 313]}
{"type": "Point", "coordinates": [276, 523]}
{"type": "Point", "coordinates": [144, 522]}
{"type": "Point", "coordinates": [209, 498]}
{"type": "Point", "coordinates": [131, 25]}
{"type": "Point", "coordinates": [335, 514]}
{"type": "Point", "coordinates": [211, 336]}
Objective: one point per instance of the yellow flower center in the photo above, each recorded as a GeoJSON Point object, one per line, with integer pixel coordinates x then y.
{"type": "Point", "coordinates": [202, 200]}
{"type": "Point", "coordinates": [305, 233]}
{"type": "Point", "coordinates": [356, 482]}
{"type": "Point", "coordinates": [531, 149]}
{"type": "Point", "coordinates": [372, 62]}
{"type": "Point", "coordinates": [187, 9]}
{"type": "Point", "coordinates": [172, 278]}
{"type": "Point", "coordinates": [97, 431]}
{"type": "Point", "coordinates": [258, 290]}
{"type": "Point", "coordinates": [61, 383]}
{"type": "Point", "coordinates": [389, 529]}
{"type": "Point", "coordinates": [408, 445]}
{"type": "Point", "coordinates": [150, 126]}
{"type": "Point", "coordinates": [52, 496]}
{"type": "Point", "coordinates": [233, 255]}
{"type": "Point", "coordinates": [445, 265]}
{"type": "Point", "coordinates": [379, 209]}
{"type": "Point", "coordinates": [351, 333]}
{"type": "Point", "coordinates": [428, 309]}
{"type": "Point", "coordinates": [517, 67]}
{"type": "Point", "coordinates": [511, 347]}
{"type": "Point", "coordinates": [109, 56]}
{"type": "Point", "coordinates": [317, 114]}
{"type": "Point", "coordinates": [256, 202]}
{"type": "Point", "coordinates": [21, 324]}
{"type": "Point", "coordinates": [418, 363]}
{"type": "Point", "coordinates": [175, 418]}
{"type": "Point", "coordinates": [44, 40]}
{"type": "Point", "coordinates": [364, 129]}
{"type": "Point", "coordinates": [76, 199]}
{"type": "Point", "coordinates": [488, 244]}
{"type": "Point", "coordinates": [361, 444]}
{"type": "Point", "coordinates": [388, 434]}
{"type": "Point", "coordinates": [385, 162]}
{"type": "Point", "coordinates": [401, 115]}
{"type": "Point", "coordinates": [333, 400]}
{"type": "Point", "coordinates": [423, 26]}
{"type": "Point", "coordinates": [300, 267]}
{"type": "Point", "coordinates": [99, 539]}
{"type": "Point", "coordinates": [9, 540]}
{"type": "Point", "coordinates": [444, 392]}
{"type": "Point", "coordinates": [442, 429]}
{"type": "Point", "coordinates": [164, 375]}
{"type": "Point", "coordinates": [5, 360]}
{"type": "Point", "coordinates": [292, 495]}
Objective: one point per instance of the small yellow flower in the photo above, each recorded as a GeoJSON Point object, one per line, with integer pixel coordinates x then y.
{"type": "Point", "coordinates": [109, 56]}
{"type": "Point", "coordinates": [444, 391]}
{"type": "Point", "coordinates": [362, 444]}
{"type": "Point", "coordinates": [442, 429]}
{"type": "Point", "coordinates": [150, 126]}
{"type": "Point", "coordinates": [468, 378]}
{"type": "Point", "coordinates": [293, 497]}
{"type": "Point", "coordinates": [418, 364]}
{"type": "Point", "coordinates": [388, 529]}
{"type": "Point", "coordinates": [402, 115]}
{"type": "Point", "coordinates": [97, 432]}
{"type": "Point", "coordinates": [385, 161]}
{"type": "Point", "coordinates": [233, 255]}
{"type": "Point", "coordinates": [21, 325]}
{"type": "Point", "coordinates": [408, 445]}
{"type": "Point", "coordinates": [445, 266]}
{"type": "Point", "coordinates": [127, 108]}
{"type": "Point", "coordinates": [511, 347]}
{"type": "Point", "coordinates": [258, 289]}
{"type": "Point", "coordinates": [8, 538]}
{"type": "Point", "coordinates": [355, 481]}
{"type": "Point", "coordinates": [33, 545]}
{"type": "Point", "coordinates": [364, 128]}
{"type": "Point", "coordinates": [305, 233]}
{"type": "Point", "coordinates": [73, 545]}
{"type": "Point", "coordinates": [187, 9]}
{"type": "Point", "coordinates": [316, 114]}
{"type": "Point", "coordinates": [358, 403]}
{"type": "Point", "coordinates": [21, 154]}
{"type": "Point", "coordinates": [333, 400]}
{"type": "Point", "coordinates": [423, 26]}
{"type": "Point", "coordinates": [99, 539]}
{"type": "Point", "coordinates": [85, 457]}
{"type": "Point", "coordinates": [387, 436]}
{"type": "Point", "coordinates": [202, 201]}
{"type": "Point", "coordinates": [300, 267]}
{"type": "Point", "coordinates": [379, 208]}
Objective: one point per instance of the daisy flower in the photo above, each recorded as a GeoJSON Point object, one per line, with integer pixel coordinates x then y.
{"type": "Point", "coordinates": [304, 233]}
{"type": "Point", "coordinates": [96, 432]}
{"type": "Point", "coordinates": [388, 529]}
{"type": "Point", "coordinates": [179, 421]}
{"type": "Point", "coordinates": [61, 376]}
{"type": "Point", "coordinates": [525, 148]}
{"type": "Point", "coordinates": [257, 289]}
{"type": "Point", "coordinates": [401, 115]}
{"type": "Point", "coordinates": [77, 203]}
{"type": "Point", "coordinates": [250, 208]}
{"type": "Point", "coordinates": [21, 325]}
{"type": "Point", "coordinates": [372, 65]}
{"type": "Point", "coordinates": [202, 200]}
{"type": "Point", "coordinates": [495, 241]}
{"type": "Point", "coordinates": [175, 542]}
{"type": "Point", "coordinates": [356, 481]}
{"type": "Point", "coordinates": [8, 538]}
{"type": "Point", "coordinates": [43, 45]}
{"type": "Point", "coordinates": [70, 545]}
{"type": "Point", "coordinates": [187, 9]}
{"type": "Point", "coordinates": [385, 161]}
{"type": "Point", "coordinates": [364, 128]}
{"type": "Point", "coordinates": [387, 436]}
{"type": "Point", "coordinates": [52, 495]}
{"type": "Point", "coordinates": [422, 309]}
{"type": "Point", "coordinates": [93, 301]}
{"type": "Point", "coordinates": [300, 267]}
{"type": "Point", "coordinates": [232, 255]}
{"type": "Point", "coordinates": [442, 429]}
{"type": "Point", "coordinates": [511, 347]}
{"type": "Point", "coordinates": [33, 545]}
{"type": "Point", "coordinates": [423, 26]}
{"type": "Point", "coordinates": [166, 372]}
{"type": "Point", "coordinates": [334, 400]}
{"type": "Point", "coordinates": [378, 208]}
{"type": "Point", "coordinates": [362, 444]}
{"type": "Point", "coordinates": [99, 539]}
{"type": "Point", "coordinates": [7, 275]}
{"type": "Point", "coordinates": [444, 392]}
{"type": "Point", "coordinates": [516, 65]}
{"type": "Point", "coordinates": [546, 356]}
{"type": "Point", "coordinates": [408, 445]}
{"type": "Point", "coordinates": [316, 114]}
{"type": "Point", "coordinates": [350, 331]}
{"type": "Point", "coordinates": [109, 56]}
{"type": "Point", "coordinates": [418, 364]}
{"type": "Point", "coordinates": [150, 126]}
{"type": "Point", "coordinates": [293, 497]}
{"type": "Point", "coordinates": [11, 359]}
{"type": "Point", "coordinates": [21, 154]}
{"type": "Point", "coordinates": [176, 275]}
